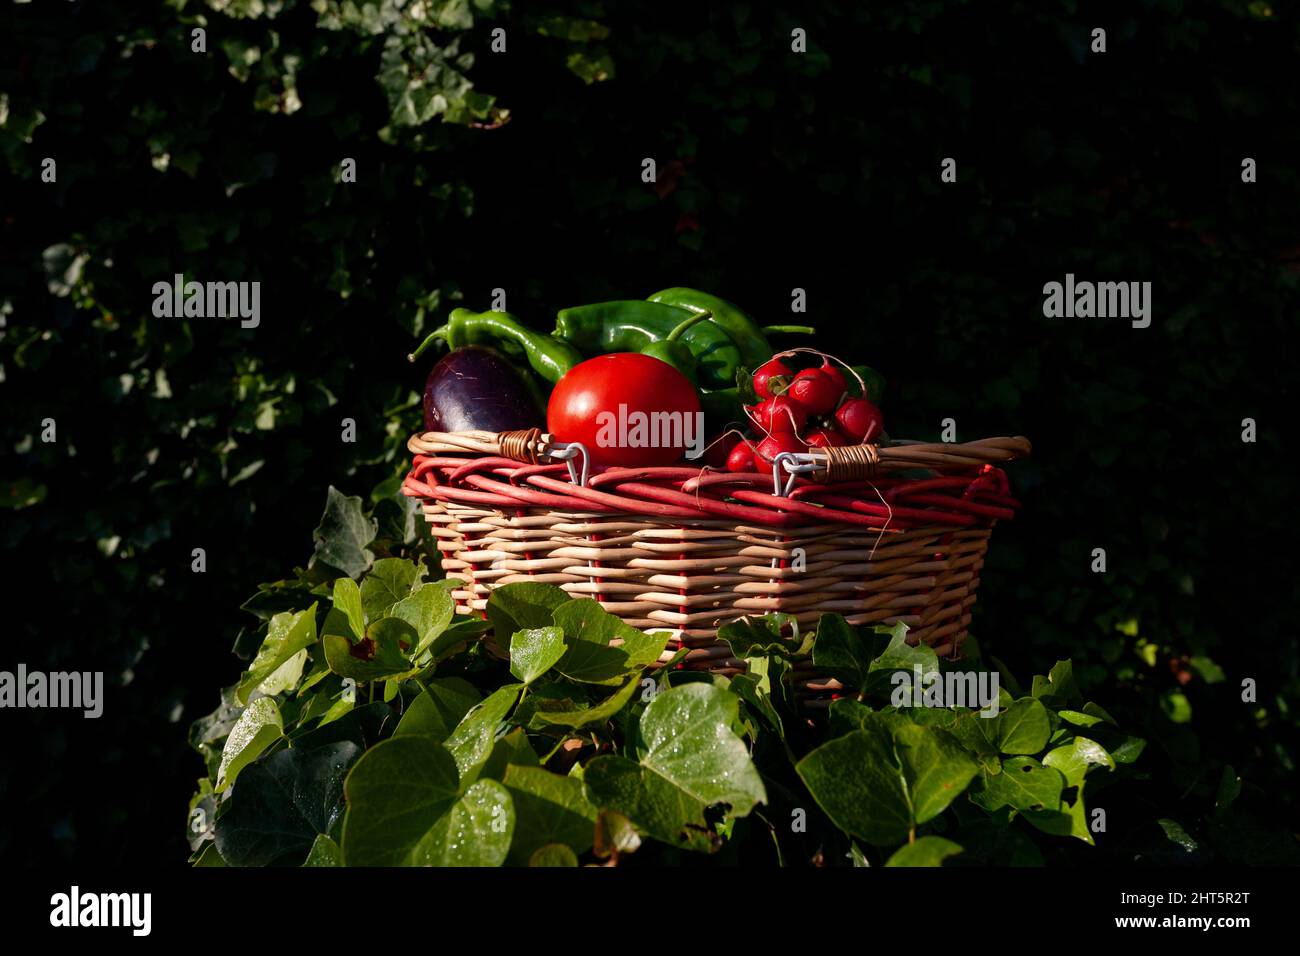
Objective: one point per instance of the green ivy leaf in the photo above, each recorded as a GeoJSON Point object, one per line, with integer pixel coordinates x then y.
{"type": "Point", "coordinates": [549, 809]}
{"type": "Point", "coordinates": [286, 635]}
{"type": "Point", "coordinates": [516, 607]}
{"type": "Point", "coordinates": [363, 725]}
{"type": "Point", "coordinates": [259, 726]}
{"type": "Point", "coordinates": [936, 770]}
{"type": "Point", "coordinates": [324, 852]}
{"type": "Point", "coordinates": [1024, 784]}
{"type": "Point", "coordinates": [590, 657]}
{"type": "Point", "coordinates": [857, 781]}
{"type": "Point", "coordinates": [691, 759]}
{"type": "Point", "coordinates": [509, 750]}
{"type": "Point", "coordinates": [535, 651]}
{"type": "Point", "coordinates": [282, 804]}
{"type": "Point", "coordinates": [553, 854]}
{"type": "Point", "coordinates": [428, 611]}
{"type": "Point", "coordinates": [845, 716]}
{"type": "Point", "coordinates": [1078, 718]}
{"type": "Point", "coordinates": [562, 713]}
{"type": "Point", "coordinates": [976, 733]}
{"type": "Point", "coordinates": [576, 29]}
{"type": "Point", "coordinates": [1068, 820]}
{"type": "Point", "coordinates": [396, 793]}
{"type": "Point", "coordinates": [1227, 792]}
{"type": "Point", "coordinates": [436, 712]}
{"type": "Point", "coordinates": [591, 68]}
{"type": "Point", "coordinates": [1023, 728]}
{"type": "Point", "coordinates": [881, 782]}
{"type": "Point", "coordinates": [840, 652]}
{"type": "Point", "coordinates": [1076, 758]}
{"type": "Point", "coordinates": [343, 534]}
{"type": "Point", "coordinates": [758, 636]}
{"type": "Point", "coordinates": [555, 694]}
{"type": "Point", "coordinates": [1175, 834]}
{"type": "Point", "coordinates": [899, 656]}
{"type": "Point", "coordinates": [377, 656]}
{"type": "Point", "coordinates": [476, 831]}
{"type": "Point", "coordinates": [1058, 687]}
{"type": "Point", "coordinates": [471, 742]}
{"type": "Point", "coordinates": [927, 851]}
{"type": "Point", "coordinates": [347, 601]}
{"type": "Point", "coordinates": [461, 632]}
{"type": "Point", "coordinates": [285, 677]}
{"type": "Point", "coordinates": [1128, 750]}
{"type": "Point", "coordinates": [421, 80]}
{"type": "Point", "coordinates": [390, 580]}
{"type": "Point", "coordinates": [210, 857]}
{"type": "Point", "coordinates": [337, 710]}
{"type": "Point", "coordinates": [755, 688]}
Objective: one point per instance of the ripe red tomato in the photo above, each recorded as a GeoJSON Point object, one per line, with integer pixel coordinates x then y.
{"type": "Point", "coordinates": [859, 421]}
{"type": "Point", "coordinates": [816, 391]}
{"type": "Point", "coordinates": [774, 368]}
{"type": "Point", "coordinates": [627, 409]}
{"type": "Point", "coordinates": [781, 415]}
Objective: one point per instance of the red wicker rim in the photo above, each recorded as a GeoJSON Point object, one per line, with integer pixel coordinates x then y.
{"type": "Point", "coordinates": [963, 489]}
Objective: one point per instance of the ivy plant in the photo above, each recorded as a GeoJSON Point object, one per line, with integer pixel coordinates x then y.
{"type": "Point", "coordinates": [375, 726]}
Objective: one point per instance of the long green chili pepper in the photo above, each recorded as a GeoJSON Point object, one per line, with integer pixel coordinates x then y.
{"type": "Point", "coordinates": [548, 356]}
{"type": "Point", "coordinates": [629, 325]}
{"type": "Point", "coordinates": [744, 331]}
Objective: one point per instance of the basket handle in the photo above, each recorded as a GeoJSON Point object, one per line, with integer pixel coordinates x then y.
{"type": "Point", "coordinates": [531, 446]}
{"type": "Point", "coordinates": [855, 462]}
{"type": "Point", "coordinates": [848, 463]}
{"type": "Point", "coordinates": [860, 462]}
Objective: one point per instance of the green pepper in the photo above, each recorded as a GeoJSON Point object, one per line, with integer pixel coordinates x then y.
{"type": "Point", "coordinates": [673, 351]}
{"type": "Point", "coordinates": [744, 331]}
{"type": "Point", "coordinates": [629, 325]}
{"type": "Point", "coordinates": [874, 381]}
{"type": "Point", "coordinates": [548, 356]}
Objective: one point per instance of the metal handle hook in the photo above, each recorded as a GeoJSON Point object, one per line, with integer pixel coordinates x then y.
{"type": "Point", "coordinates": [567, 452]}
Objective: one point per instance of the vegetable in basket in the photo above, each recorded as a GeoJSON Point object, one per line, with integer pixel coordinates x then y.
{"type": "Point", "coordinates": [476, 388]}
{"type": "Point", "coordinates": [628, 409]}
{"type": "Point", "coordinates": [817, 407]}
{"type": "Point", "coordinates": [673, 351]}
{"type": "Point", "coordinates": [632, 325]}
{"type": "Point", "coordinates": [859, 420]}
{"type": "Point", "coordinates": [548, 356]}
{"type": "Point", "coordinates": [744, 331]}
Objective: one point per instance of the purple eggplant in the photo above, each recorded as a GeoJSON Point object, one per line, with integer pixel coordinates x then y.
{"type": "Point", "coordinates": [476, 388]}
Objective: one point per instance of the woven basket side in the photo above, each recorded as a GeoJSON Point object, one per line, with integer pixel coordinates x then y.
{"type": "Point", "coordinates": [691, 579]}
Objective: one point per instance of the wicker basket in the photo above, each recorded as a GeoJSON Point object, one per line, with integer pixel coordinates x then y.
{"type": "Point", "coordinates": [880, 534]}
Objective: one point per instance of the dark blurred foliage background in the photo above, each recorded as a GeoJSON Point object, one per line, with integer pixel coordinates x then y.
{"type": "Point", "coordinates": [777, 170]}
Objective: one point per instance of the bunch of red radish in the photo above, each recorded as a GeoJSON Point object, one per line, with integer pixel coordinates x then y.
{"type": "Point", "coordinates": [796, 411]}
